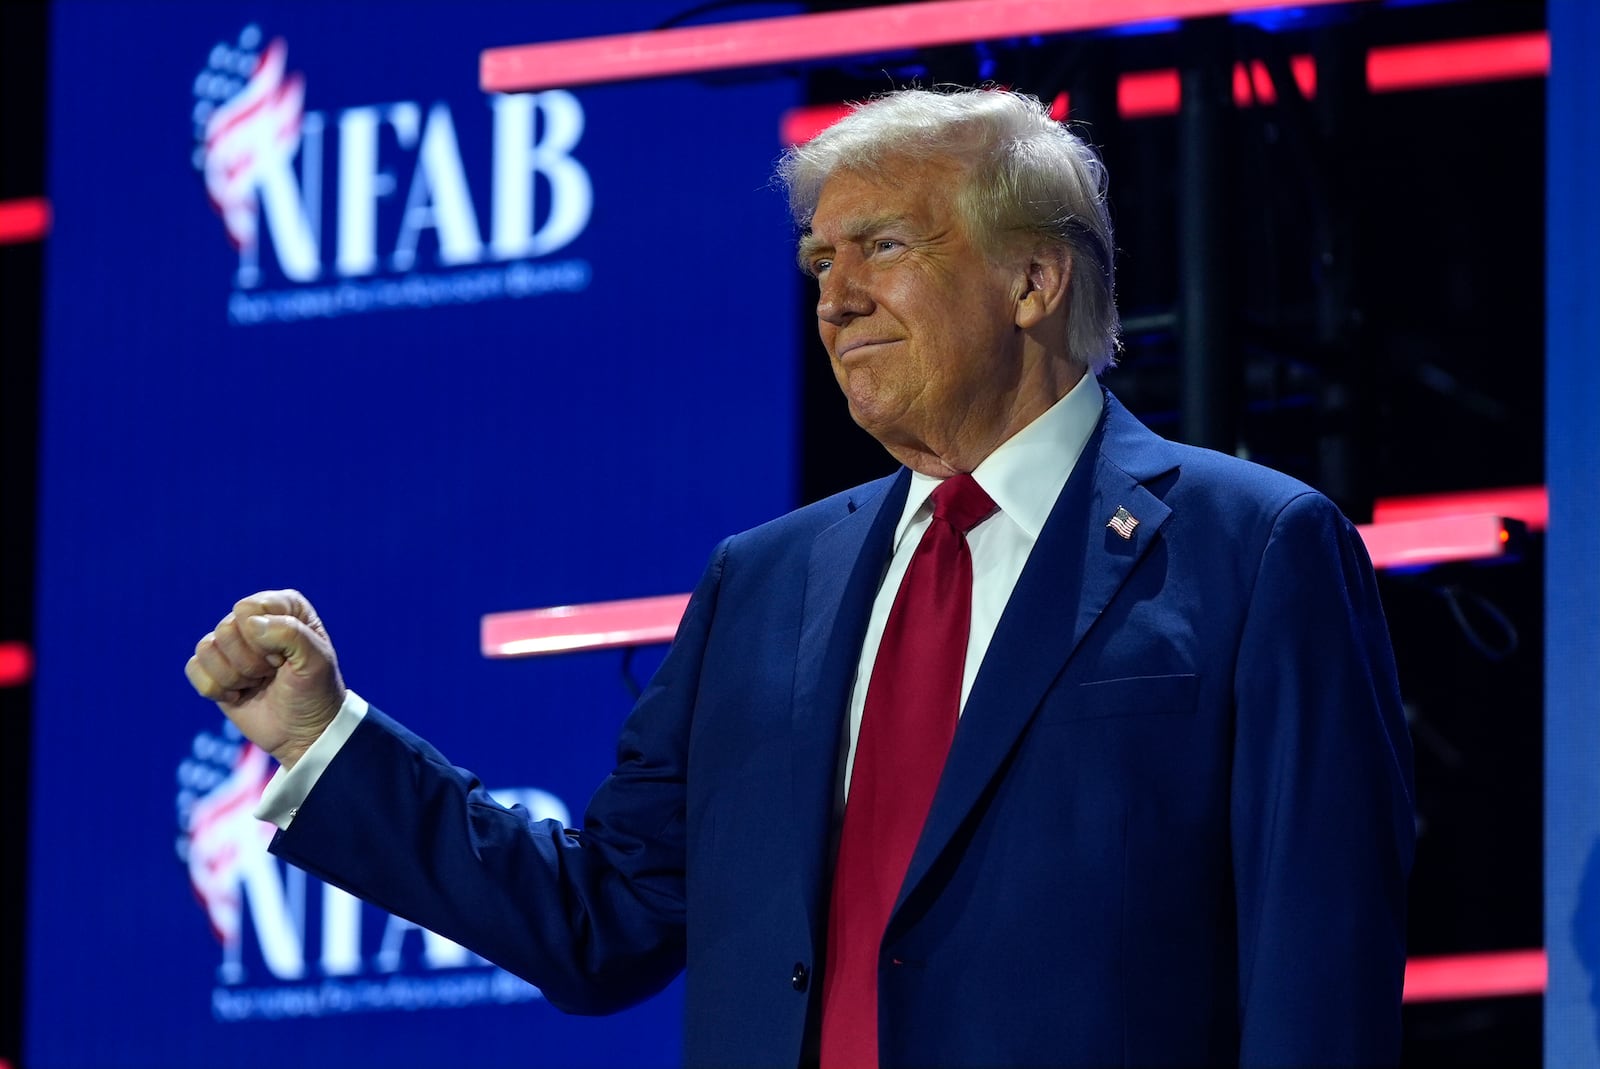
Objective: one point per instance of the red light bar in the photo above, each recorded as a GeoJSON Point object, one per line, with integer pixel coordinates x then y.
{"type": "Point", "coordinates": [801, 124]}
{"type": "Point", "coordinates": [1530, 504]}
{"type": "Point", "coordinates": [1147, 94]}
{"type": "Point", "coordinates": [1437, 540]}
{"type": "Point", "coordinates": [1256, 83]}
{"type": "Point", "coordinates": [599, 625]}
{"type": "Point", "coordinates": [1467, 976]}
{"type": "Point", "coordinates": [1142, 94]}
{"type": "Point", "coordinates": [27, 219]}
{"type": "Point", "coordinates": [827, 35]}
{"type": "Point", "coordinates": [1439, 63]}
{"type": "Point", "coordinates": [16, 664]}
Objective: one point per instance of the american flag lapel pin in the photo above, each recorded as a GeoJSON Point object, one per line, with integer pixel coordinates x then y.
{"type": "Point", "coordinates": [1123, 522]}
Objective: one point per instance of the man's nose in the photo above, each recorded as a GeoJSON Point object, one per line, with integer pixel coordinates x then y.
{"type": "Point", "coordinates": [841, 296]}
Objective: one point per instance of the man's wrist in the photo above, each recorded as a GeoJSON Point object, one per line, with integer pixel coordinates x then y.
{"type": "Point", "coordinates": [291, 784]}
{"type": "Point", "coordinates": [295, 747]}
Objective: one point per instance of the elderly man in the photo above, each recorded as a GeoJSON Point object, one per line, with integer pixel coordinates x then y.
{"type": "Point", "coordinates": [1063, 746]}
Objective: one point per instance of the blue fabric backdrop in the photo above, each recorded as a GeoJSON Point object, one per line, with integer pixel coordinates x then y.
{"type": "Point", "coordinates": [414, 438]}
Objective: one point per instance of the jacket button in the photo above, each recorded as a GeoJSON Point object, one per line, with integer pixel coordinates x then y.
{"type": "Point", "coordinates": [801, 977]}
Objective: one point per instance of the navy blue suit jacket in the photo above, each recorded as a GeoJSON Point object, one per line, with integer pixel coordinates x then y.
{"type": "Point", "coordinates": [1174, 828]}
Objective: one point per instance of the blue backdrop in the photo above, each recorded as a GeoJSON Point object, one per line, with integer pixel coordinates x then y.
{"type": "Point", "coordinates": [322, 314]}
{"type": "Point", "coordinates": [1572, 587]}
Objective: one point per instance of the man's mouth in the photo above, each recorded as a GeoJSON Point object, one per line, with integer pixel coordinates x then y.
{"type": "Point", "coordinates": [857, 347]}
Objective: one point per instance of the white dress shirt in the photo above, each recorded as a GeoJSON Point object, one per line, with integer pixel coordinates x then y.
{"type": "Point", "coordinates": [1023, 477]}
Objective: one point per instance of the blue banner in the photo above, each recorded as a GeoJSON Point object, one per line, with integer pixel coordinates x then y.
{"type": "Point", "coordinates": [1572, 586]}
{"type": "Point", "coordinates": [322, 314]}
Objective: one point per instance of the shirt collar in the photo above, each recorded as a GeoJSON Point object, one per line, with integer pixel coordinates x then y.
{"type": "Point", "coordinates": [1027, 472]}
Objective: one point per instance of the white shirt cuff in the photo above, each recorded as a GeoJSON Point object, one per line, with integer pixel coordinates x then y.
{"type": "Point", "coordinates": [288, 788]}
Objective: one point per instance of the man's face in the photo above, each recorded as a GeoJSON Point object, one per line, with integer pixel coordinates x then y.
{"type": "Point", "coordinates": [919, 323]}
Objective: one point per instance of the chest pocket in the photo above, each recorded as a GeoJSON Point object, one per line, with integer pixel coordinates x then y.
{"type": "Point", "coordinates": [1165, 695]}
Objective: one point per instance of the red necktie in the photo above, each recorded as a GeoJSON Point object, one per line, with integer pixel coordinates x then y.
{"type": "Point", "coordinates": [913, 700]}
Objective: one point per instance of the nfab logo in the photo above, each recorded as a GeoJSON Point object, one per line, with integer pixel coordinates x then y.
{"type": "Point", "coordinates": [293, 946]}
{"type": "Point", "coordinates": [402, 185]}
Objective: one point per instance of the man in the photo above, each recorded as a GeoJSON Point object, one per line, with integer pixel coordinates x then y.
{"type": "Point", "coordinates": [1172, 825]}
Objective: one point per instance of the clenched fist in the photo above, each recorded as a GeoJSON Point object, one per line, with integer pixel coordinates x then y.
{"type": "Point", "coordinates": [270, 667]}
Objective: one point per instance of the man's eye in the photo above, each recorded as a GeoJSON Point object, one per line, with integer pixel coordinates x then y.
{"type": "Point", "coordinates": [819, 266]}
{"type": "Point", "coordinates": [886, 244]}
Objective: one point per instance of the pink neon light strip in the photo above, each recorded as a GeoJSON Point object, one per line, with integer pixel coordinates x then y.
{"type": "Point", "coordinates": [828, 35]}
{"type": "Point", "coordinates": [24, 220]}
{"type": "Point", "coordinates": [1530, 504]}
{"type": "Point", "coordinates": [1440, 63]}
{"type": "Point", "coordinates": [597, 626]}
{"type": "Point", "coordinates": [1437, 540]}
{"type": "Point", "coordinates": [16, 664]}
{"type": "Point", "coordinates": [1469, 976]}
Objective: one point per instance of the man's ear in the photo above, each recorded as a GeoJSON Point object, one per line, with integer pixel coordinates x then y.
{"type": "Point", "coordinates": [1044, 288]}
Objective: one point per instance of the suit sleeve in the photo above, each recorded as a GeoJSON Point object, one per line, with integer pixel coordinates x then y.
{"type": "Point", "coordinates": [594, 918]}
{"type": "Point", "coordinates": [1322, 813]}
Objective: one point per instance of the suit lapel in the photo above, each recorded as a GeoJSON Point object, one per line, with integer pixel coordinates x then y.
{"type": "Point", "coordinates": [847, 564]}
{"type": "Point", "coordinates": [1074, 570]}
